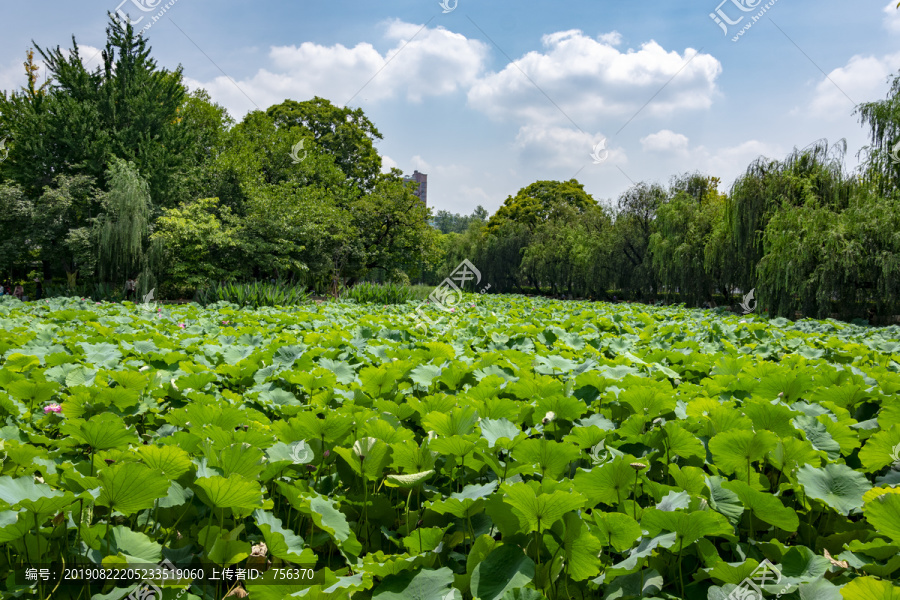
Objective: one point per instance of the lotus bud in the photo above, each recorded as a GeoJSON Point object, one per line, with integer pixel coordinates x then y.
{"type": "Point", "coordinates": [548, 417]}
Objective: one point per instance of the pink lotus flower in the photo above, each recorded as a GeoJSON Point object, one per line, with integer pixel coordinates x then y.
{"type": "Point", "coordinates": [181, 325]}
{"type": "Point", "coordinates": [55, 408]}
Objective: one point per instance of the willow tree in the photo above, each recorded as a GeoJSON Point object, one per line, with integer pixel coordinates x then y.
{"type": "Point", "coordinates": [122, 233]}
{"type": "Point", "coordinates": [825, 262]}
{"type": "Point", "coordinates": [814, 174]}
{"type": "Point", "coordinates": [883, 160]}
{"type": "Point", "coordinates": [686, 227]}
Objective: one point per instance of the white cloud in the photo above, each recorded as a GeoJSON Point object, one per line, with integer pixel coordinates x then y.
{"type": "Point", "coordinates": [91, 57]}
{"type": "Point", "coordinates": [388, 163]}
{"type": "Point", "coordinates": [12, 76]}
{"type": "Point", "coordinates": [561, 147]}
{"type": "Point", "coordinates": [613, 38]}
{"type": "Point", "coordinates": [423, 62]}
{"type": "Point", "coordinates": [892, 17]}
{"type": "Point", "coordinates": [421, 165]}
{"type": "Point", "coordinates": [863, 79]}
{"type": "Point", "coordinates": [665, 141]}
{"type": "Point", "coordinates": [590, 80]}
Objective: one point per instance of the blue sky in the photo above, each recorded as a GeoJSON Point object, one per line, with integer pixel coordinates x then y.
{"type": "Point", "coordinates": [492, 96]}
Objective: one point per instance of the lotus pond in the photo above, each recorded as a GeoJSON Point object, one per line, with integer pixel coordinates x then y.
{"type": "Point", "coordinates": [524, 449]}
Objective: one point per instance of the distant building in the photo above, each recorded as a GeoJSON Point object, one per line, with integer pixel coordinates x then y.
{"type": "Point", "coordinates": [422, 190]}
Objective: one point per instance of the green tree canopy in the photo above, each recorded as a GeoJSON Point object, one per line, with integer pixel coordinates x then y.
{"type": "Point", "coordinates": [344, 133]}
{"type": "Point", "coordinates": [540, 201]}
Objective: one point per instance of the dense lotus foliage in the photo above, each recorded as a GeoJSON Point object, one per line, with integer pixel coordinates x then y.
{"type": "Point", "coordinates": [520, 449]}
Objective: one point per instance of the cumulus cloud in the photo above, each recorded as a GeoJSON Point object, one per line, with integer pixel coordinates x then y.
{"type": "Point", "coordinates": [12, 75]}
{"type": "Point", "coordinates": [590, 80]}
{"type": "Point", "coordinates": [422, 62]}
{"type": "Point", "coordinates": [892, 17]}
{"type": "Point", "coordinates": [730, 162]}
{"type": "Point", "coordinates": [665, 141]}
{"type": "Point", "coordinates": [863, 79]}
{"type": "Point", "coordinates": [562, 147]}
{"type": "Point", "coordinates": [613, 38]}
{"type": "Point", "coordinates": [388, 163]}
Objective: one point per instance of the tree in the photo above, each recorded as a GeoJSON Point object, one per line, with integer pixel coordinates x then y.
{"type": "Point", "coordinates": [392, 231]}
{"type": "Point", "coordinates": [685, 228]}
{"type": "Point", "coordinates": [634, 224]}
{"type": "Point", "coordinates": [346, 134]}
{"type": "Point", "coordinates": [447, 222]}
{"type": "Point", "coordinates": [122, 233]}
{"type": "Point", "coordinates": [813, 174]}
{"type": "Point", "coordinates": [539, 202]}
{"type": "Point", "coordinates": [201, 243]}
{"type": "Point", "coordinates": [127, 107]}
{"type": "Point", "coordinates": [883, 119]}
{"type": "Point", "coordinates": [68, 204]}
{"type": "Point", "coordinates": [16, 212]}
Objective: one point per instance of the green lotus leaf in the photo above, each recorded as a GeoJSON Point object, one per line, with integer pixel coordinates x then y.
{"type": "Point", "coordinates": [635, 585]}
{"type": "Point", "coordinates": [581, 548]}
{"type": "Point", "coordinates": [103, 432]}
{"type": "Point", "coordinates": [617, 530]}
{"type": "Point", "coordinates": [541, 511]}
{"type": "Point", "coordinates": [734, 451]}
{"type": "Point", "coordinates": [39, 498]}
{"type": "Point", "coordinates": [869, 588]}
{"type": "Point", "coordinates": [233, 492]}
{"type": "Point", "coordinates": [494, 430]}
{"type": "Point", "coordinates": [687, 526]}
{"type": "Point", "coordinates": [20, 363]}
{"type": "Point", "coordinates": [883, 513]}
{"type": "Point", "coordinates": [170, 460]}
{"type": "Point", "coordinates": [765, 507]}
{"type": "Point", "coordinates": [550, 458]}
{"type": "Point", "coordinates": [281, 542]}
{"type": "Point", "coordinates": [32, 392]}
{"type": "Point", "coordinates": [458, 421]}
{"type": "Point", "coordinates": [820, 589]}
{"type": "Point", "coordinates": [327, 517]}
{"type": "Point", "coordinates": [838, 486]}
{"type": "Point", "coordinates": [609, 484]}
{"type": "Point", "coordinates": [409, 480]}
{"type": "Point", "coordinates": [464, 503]}
{"type": "Point", "coordinates": [881, 450]}
{"type": "Point", "coordinates": [426, 584]}
{"type": "Point", "coordinates": [130, 487]}
{"type": "Point", "coordinates": [817, 434]}
{"type": "Point", "coordinates": [505, 568]}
